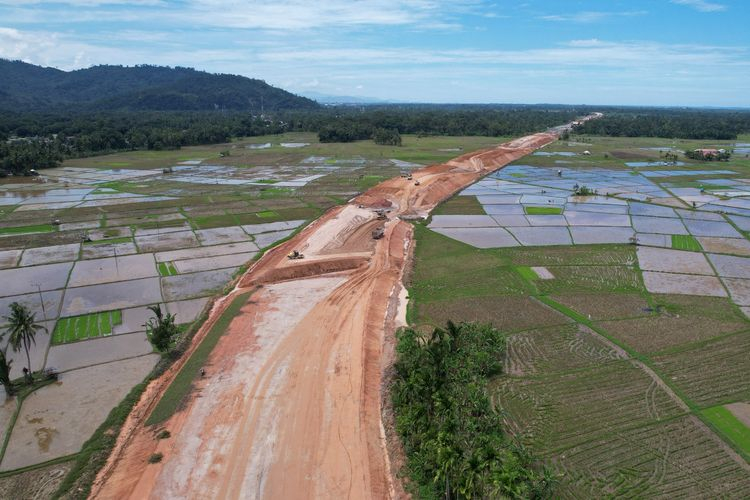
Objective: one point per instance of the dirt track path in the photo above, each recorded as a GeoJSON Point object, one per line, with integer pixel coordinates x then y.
{"type": "Point", "coordinates": [291, 407]}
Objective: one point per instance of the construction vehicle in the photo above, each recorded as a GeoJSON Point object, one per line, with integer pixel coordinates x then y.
{"type": "Point", "coordinates": [381, 214]}
{"type": "Point", "coordinates": [416, 183]}
{"type": "Point", "coordinates": [295, 255]}
{"type": "Point", "coordinates": [378, 233]}
{"type": "Point", "coordinates": [409, 177]}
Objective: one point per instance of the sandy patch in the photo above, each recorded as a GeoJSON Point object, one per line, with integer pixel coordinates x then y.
{"type": "Point", "coordinates": [57, 419]}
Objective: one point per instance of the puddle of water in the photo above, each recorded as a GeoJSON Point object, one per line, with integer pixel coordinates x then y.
{"type": "Point", "coordinates": [555, 153]}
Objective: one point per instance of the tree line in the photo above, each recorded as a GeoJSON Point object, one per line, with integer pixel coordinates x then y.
{"type": "Point", "coordinates": [40, 140]}
{"type": "Point", "coordinates": [668, 123]}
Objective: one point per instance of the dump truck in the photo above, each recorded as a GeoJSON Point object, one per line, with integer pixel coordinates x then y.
{"type": "Point", "coordinates": [294, 255]}
{"type": "Point", "coordinates": [378, 233]}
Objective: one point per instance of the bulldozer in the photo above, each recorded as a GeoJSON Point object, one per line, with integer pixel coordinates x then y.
{"type": "Point", "coordinates": [294, 255]}
{"type": "Point", "coordinates": [378, 233]}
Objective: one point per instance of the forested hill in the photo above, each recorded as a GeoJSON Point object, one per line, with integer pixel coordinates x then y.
{"type": "Point", "coordinates": [26, 87]}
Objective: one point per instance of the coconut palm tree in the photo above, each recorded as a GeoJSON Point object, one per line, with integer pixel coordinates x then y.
{"type": "Point", "coordinates": [5, 373]}
{"type": "Point", "coordinates": [22, 329]}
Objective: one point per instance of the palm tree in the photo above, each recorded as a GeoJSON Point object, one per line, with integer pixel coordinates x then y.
{"type": "Point", "coordinates": [22, 330]}
{"type": "Point", "coordinates": [5, 373]}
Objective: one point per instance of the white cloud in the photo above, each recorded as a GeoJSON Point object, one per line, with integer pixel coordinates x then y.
{"type": "Point", "coordinates": [590, 16]}
{"type": "Point", "coordinates": [88, 3]}
{"type": "Point", "coordinates": [702, 5]}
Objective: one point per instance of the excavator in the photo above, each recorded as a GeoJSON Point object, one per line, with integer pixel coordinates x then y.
{"type": "Point", "coordinates": [295, 255]}
{"type": "Point", "coordinates": [378, 233]}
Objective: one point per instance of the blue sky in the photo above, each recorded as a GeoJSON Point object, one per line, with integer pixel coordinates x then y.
{"type": "Point", "coordinates": [650, 52]}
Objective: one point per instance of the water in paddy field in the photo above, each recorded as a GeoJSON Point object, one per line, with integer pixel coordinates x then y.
{"type": "Point", "coordinates": [555, 153]}
{"type": "Point", "coordinates": [638, 164]}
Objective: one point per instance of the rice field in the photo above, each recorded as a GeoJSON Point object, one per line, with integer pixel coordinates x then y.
{"type": "Point", "coordinates": [628, 395]}
{"type": "Point", "coordinates": [74, 328]}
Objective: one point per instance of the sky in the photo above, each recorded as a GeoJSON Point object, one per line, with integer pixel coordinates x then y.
{"type": "Point", "coordinates": [629, 52]}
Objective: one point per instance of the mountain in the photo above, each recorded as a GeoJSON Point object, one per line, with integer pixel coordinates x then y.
{"type": "Point", "coordinates": [26, 87]}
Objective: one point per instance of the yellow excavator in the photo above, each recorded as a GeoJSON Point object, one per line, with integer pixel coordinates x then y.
{"type": "Point", "coordinates": [294, 255]}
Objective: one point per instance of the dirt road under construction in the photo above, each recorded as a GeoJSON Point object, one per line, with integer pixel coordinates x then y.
{"type": "Point", "coordinates": [291, 403]}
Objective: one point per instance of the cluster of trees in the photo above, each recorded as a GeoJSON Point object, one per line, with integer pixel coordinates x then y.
{"type": "Point", "coordinates": [386, 137]}
{"type": "Point", "coordinates": [23, 156]}
{"type": "Point", "coordinates": [702, 156]}
{"type": "Point", "coordinates": [680, 124]}
{"type": "Point", "coordinates": [452, 435]}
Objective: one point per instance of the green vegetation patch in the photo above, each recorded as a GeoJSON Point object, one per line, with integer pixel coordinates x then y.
{"type": "Point", "coordinates": [275, 192]}
{"type": "Point", "coordinates": [461, 205]}
{"type": "Point", "coordinates": [76, 328]}
{"type": "Point", "coordinates": [266, 214]}
{"type": "Point", "coordinates": [455, 444]}
{"type": "Point", "coordinates": [367, 181]}
{"type": "Point", "coordinates": [685, 242]}
{"type": "Point", "coordinates": [167, 269]}
{"type": "Point", "coordinates": [543, 210]}
{"type": "Point", "coordinates": [527, 273]}
{"type": "Point", "coordinates": [729, 425]}
{"type": "Point", "coordinates": [183, 382]}
{"type": "Point", "coordinates": [38, 228]}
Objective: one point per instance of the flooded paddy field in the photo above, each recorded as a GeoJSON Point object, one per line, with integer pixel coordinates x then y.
{"type": "Point", "coordinates": [648, 275]}
{"type": "Point", "coordinates": [88, 246]}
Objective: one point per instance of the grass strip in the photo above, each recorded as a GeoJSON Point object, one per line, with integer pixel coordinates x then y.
{"type": "Point", "coordinates": [39, 228]}
{"type": "Point", "coordinates": [543, 210]}
{"type": "Point", "coordinates": [729, 425]}
{"type": "Point", "coordinates": [183, 382]}
{"type": "Point", "coordinates": [685, 242]}
{"type": "Point", "coordinates": [527, 273]}
{"type": "Point", "coordinates": [266, 214]}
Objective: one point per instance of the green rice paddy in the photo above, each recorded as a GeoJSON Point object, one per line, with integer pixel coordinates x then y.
{"type": "Point", "coordinates": [543, 210]}
{"type": "Point", "coordinates": [685, 242]}
{"type": "Point", "coordinates": [729, 425]}
{"type": "Point", "coordinates": [39, 228]}
{"type": "Point", "coordinates": [167, 269]}
{"type": "Point", "coordinates": [84, 327]}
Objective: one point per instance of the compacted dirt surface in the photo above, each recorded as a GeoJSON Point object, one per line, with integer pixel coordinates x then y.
{"type": "Point", "coordinates": [290, 406]}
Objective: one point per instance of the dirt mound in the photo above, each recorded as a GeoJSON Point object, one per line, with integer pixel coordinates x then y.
{"type": "Point", "coordinates": [307, 268]}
